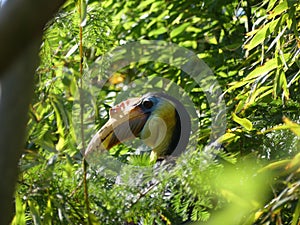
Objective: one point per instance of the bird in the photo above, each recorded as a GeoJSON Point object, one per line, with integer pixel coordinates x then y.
{"type": "Point", "coordinates": [158, 119]}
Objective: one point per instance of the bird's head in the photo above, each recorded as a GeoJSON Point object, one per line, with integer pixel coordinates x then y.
{"type": "Point", "coordinates": [156, 118]}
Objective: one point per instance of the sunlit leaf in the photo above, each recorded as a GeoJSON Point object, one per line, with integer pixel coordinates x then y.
{"type": "Point", "coordinates": [258, 93]}
{"type": "Point", "coordinates": [48, 212]}
{"type": "Point", "coordinates": [227, 137]}
{"type": "Point", "coordinates": [72, 50]}
{"type": "Point", "coordinates": [35, 213]}
{"type": "Point", "coordinates": [262, 70]}
{"type": "Point", "coordinates": [294, 163]}
{"type": "Point", "coordinates": [19, 218]}
{"type": "Point", "coordinates": [262, 34]}
{"type": "Point", "coordinates": [83, 12]}
{"type": "Point", "coordinates": [178, 30]}
{"type": "Point", "coordinates": [271, 4]}
{"type": "Point", "coordinates": [281, 7]}
{"type": "Point", "coordinates": [240, 106]}
{"type": "Point", "coordinates": [243, 122]}
{"type": "Point", "coordinates": [294, 127]}
{"type": "Point", "coordinates": [237, 84]}
{"type": "Point", "coordinates": [275, 166]}
{"type": "Point", "coordinates": [189, 44]}
{"type": "Point", "coordinates": [158, 31]}
{"type": "Point", "coordinates": [283, 84]}
{"type": "Point", "coordinates": [145, 3]}
{"type": "Point", "coordinates": [296, 215]}
{"type": "Point", "coordinates": [178, 18]}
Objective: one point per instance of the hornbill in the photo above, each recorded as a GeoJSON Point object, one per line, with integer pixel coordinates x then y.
{"type": "Point", "coordinates": [160, 120]}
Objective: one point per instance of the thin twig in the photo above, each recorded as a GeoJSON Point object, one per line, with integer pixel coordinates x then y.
{"type": "Point", "coordinates": [84, 163]}
{"type": "Point", "coordinates": [144, 193]}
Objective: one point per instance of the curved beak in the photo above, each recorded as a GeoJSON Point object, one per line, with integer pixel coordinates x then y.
{"type": "Point", "coordinates": [126, 121]}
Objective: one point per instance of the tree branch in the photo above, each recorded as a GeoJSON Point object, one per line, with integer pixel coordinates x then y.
{"type": "Point", "coordinates": [21, 27]}
{"type": "Point", "coordinates": [22, 21]}
{"type": "Point", "coordinates": [16, 89]}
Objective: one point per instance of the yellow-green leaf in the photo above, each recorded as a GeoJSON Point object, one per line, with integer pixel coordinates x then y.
{"type": "Point", "coordinates": [294, 163]}
{"type": "Point", "coordinates": [158, 31]}
{"type": "Point", "coordinates": [83, 13]}
{"type": "Point", "coordinates": [240, 106]}
{"type": "Point", "coordinates": [283, 84]}
{"type": "Point", "coordinates": [178, 18]}
{"type": "Point", "coordinates": [242, 121]}
{"type": "Point", "coordinates": [35, 212]}
{"type": "Point", "coordinates": [278, 165]}
{"type": "Point", "coordinates": [236, 84]}
{"type": "Point", "coordinates": [294, 127]}
{"type": "Point", "coordinates": [296, 214]}
{"type": "Point", "coordinates": [20, 218]}
{"type": "Point", "coordinates": [227, 137]}
{"type": "Point", "coordinates": [281, 7]}
{"type": "Point", "coordinates": [178, 30]}
{"type": "Point", "coordinates": [262, 70]}
{"type": "Point", "coordinates": [262, 34]}
{"type": "Point", "coordinates": [144, 4]}
{"type": "Point", "coordinates": [258, 93]}
{"type": "Point", "coordinates": [271, 4]}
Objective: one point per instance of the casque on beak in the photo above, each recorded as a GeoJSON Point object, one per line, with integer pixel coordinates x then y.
{"type": "Point", "coordinates": [126, 121]}
{"type": "Point", "coordinates": [159, 120]}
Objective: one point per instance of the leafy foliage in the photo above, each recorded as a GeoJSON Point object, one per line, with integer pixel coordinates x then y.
{"type": "Point", "coordinates": [252, 48]}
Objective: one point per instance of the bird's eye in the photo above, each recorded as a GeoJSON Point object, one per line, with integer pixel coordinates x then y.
{"type": "Point", "coordinates": [147, 104]}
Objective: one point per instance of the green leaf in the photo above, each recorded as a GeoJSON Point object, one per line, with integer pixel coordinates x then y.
{"type": "Point", "coordinates": [281, 7]}
{"type": "Point", "coordinates": [262, 34]}
{"type": "Point", "coordinates": [243, 122]}
{"type": "Point", "coordinates": [283, 84]}
{"type": "Point", "coordinates": [271, 4]}
{"type": "Point", "coordinates": [83, 13]}
{"type": "Point", "coordinates": [189, 44]}
{"type": "Point", "coordinates": [35, 213]}
{"type": "Point", "coordinates": [19, 218]}
{"type": "Point", "coordinates": [144, 4]}
{"type": "Point", "coordinates": [178, 30]}
{"type": "Point", "coordinates": [294, 127]}
{"type": "Point", "coordinates": [48, 216]}
{"type": "Point", "coordinates": [240, 106]}
{"type": "Point", "coordinates": [158, 31]}
{"type": "Point", "coordinates": [262, 70]}
{"type": "Point", "coordinates": [259, 93]}
{"type": "Point", "coordinates": [227, 137]}
{"type": "Point", "coordinates": [237, 84]}
{"type": "Point", "coordinates": [277, 165]}
{"type": "Point", "coordinates": [156, 6]}
{"type": "Point", "coordinates": [178, 18]}
{"type": "Point", "coordinates": [296, 215]}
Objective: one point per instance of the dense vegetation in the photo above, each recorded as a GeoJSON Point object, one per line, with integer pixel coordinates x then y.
{"type": "Point", "coordinates": [253, 50]}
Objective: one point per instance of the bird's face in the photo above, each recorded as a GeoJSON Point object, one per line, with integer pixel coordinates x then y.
{"type": "Point", "coordinates": [159, 127]}
{"type": "Point", "coordinates": [151, 117]}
